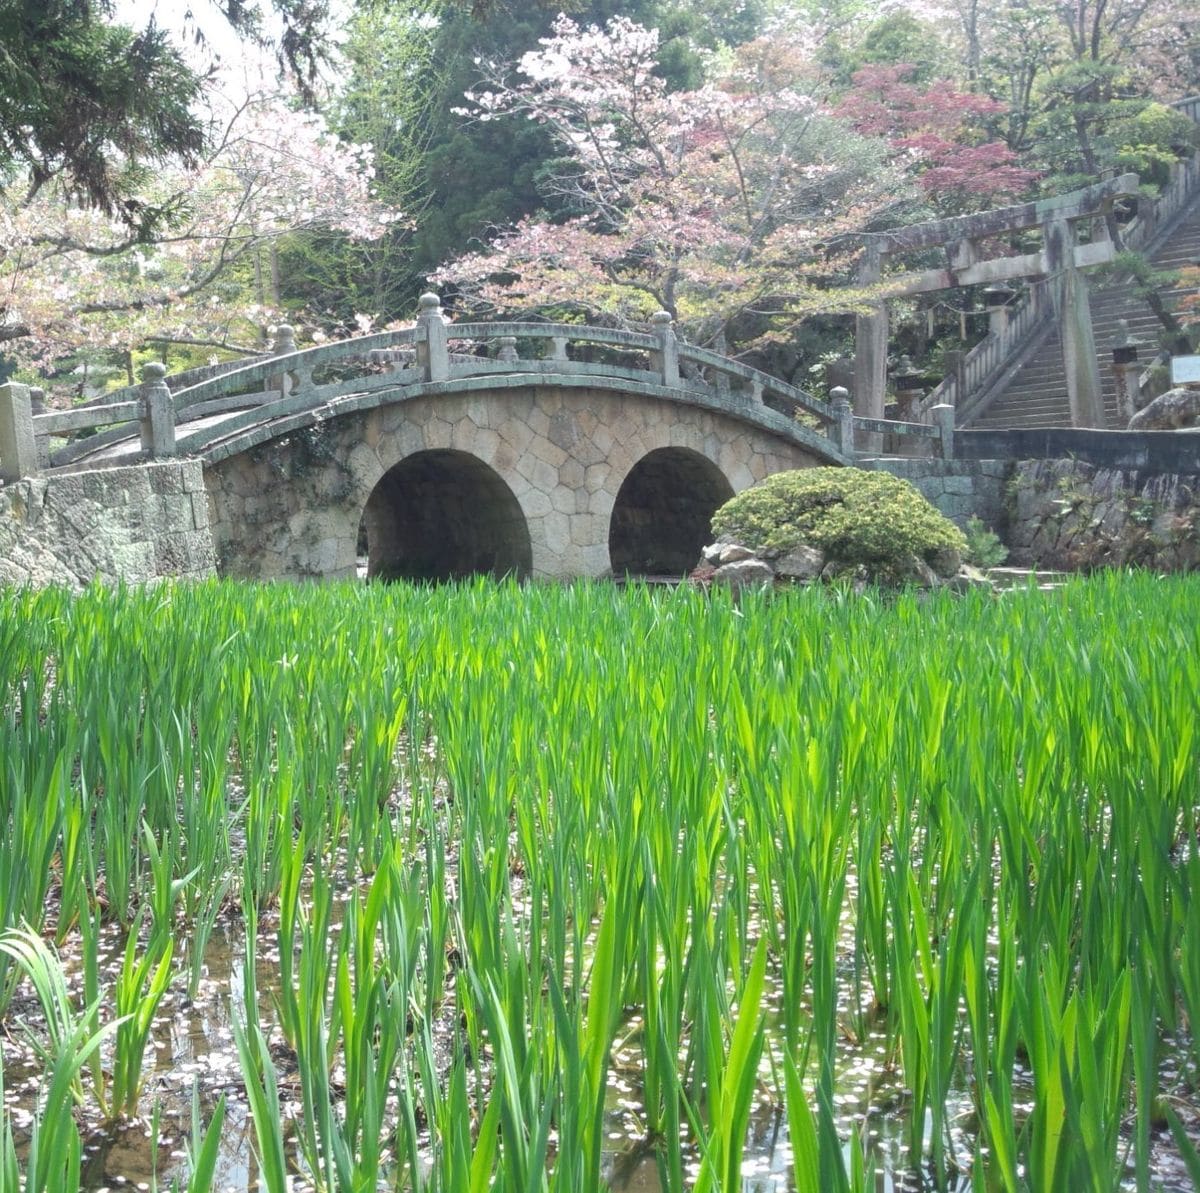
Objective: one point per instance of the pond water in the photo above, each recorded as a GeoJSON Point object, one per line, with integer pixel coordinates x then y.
{"type": "Point", "coordinates": [193, 1055]}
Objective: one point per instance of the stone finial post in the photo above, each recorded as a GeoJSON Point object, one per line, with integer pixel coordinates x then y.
{"type": "Point", "coordinates": [841, 430]}
{"type": "Point", "coordinates": [433, 344]}
{"type": "Point", "coordinates": [18, 448]}
{"type": "Point", "coordinates": [157, 413]}
{"type": "Point", "coordinates": [37, 402]}
{"type": "Point", "coordinates": [665, 358]}
{"type": "Point", "coordinates": [508, 349]}
{"type": "Point", "coordinates": [943, 418]}
{"type": "Point", "coordinates": [283, 343]}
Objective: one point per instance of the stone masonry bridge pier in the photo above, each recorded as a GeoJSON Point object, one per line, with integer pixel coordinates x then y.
{"type": "Point", "coordinates": [534, 449]}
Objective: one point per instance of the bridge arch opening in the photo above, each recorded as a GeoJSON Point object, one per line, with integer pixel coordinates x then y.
{"type": "Point", "coordinates": [444, 515]}
{"type": "Point", "coordinates": [662, 516]}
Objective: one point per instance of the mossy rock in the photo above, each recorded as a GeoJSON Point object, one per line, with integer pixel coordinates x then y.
{"type": "Point", "coordinates": [855, 517]}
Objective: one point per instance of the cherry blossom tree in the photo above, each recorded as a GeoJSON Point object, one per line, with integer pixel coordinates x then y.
{"type": "Point", "coordinates": [723, 205]}
{"type": "Point", "coordinates": [74, 279]}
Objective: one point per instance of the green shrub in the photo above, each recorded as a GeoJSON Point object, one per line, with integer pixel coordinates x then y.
{"type": "Point", "coordinates": [852, 515]}
{"type": "Point", "coordinates": [984, 548]}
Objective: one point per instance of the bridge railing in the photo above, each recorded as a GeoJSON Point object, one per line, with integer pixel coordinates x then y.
{"type": "Point", "coordinates": [184, 420]}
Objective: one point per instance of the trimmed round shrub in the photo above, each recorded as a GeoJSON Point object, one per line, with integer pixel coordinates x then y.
{"type": "Point", "coordinates": [872, 518]}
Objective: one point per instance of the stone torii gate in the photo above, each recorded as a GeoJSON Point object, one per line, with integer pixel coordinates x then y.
{"type": "Point", "coordinates": [1061, 259]}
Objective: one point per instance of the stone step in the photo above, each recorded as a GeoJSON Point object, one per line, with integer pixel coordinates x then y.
{"type": "Point", "coordinates": [1035, 395]}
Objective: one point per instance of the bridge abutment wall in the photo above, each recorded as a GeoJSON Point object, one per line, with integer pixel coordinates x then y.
{"type": "Point", "coordinates": [136, 524]}
{"type": "Point", "coordinates": [291, 507]}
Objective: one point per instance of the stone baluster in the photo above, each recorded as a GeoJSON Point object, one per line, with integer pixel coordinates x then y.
{"type": "Point", "coordinates": [283, 343]}
{"type": "Point", "coordinates": [942, 417]}
{"type": "Point", "coordinates": [841, 430]}
{"type": "Point", "coordinates": [18, 447]}
{"type": "Point", "coordinates": [37, 402]}
{"type": "Point", "coordinates": [558, 348]}
{"type": "Point", "coordinates": [433, 344]}
{"type": "Point", "coordinates": [508, 349]}
{"type": "Point", "coordinates": [664, 359]}
{"type": "Point", "coordinates": [156, 415]}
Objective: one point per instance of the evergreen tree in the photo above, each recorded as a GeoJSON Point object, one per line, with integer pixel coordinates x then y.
{"type": "Point", "coordinates": [91, 103]}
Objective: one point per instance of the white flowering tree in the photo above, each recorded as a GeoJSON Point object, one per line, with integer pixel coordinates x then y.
{"type": "Point", "coordinates": [723, 205]}
{"type": "Point", "coordinates": [73, 279]}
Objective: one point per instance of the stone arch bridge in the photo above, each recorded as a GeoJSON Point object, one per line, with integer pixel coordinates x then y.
{"type": "Point", "coordinates": [537, 449]}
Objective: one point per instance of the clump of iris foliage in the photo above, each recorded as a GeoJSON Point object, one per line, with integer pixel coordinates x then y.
{"type": "Point", "coordinates": [574, 831]}
{"type": "Point", "coordinates": [851, 515]}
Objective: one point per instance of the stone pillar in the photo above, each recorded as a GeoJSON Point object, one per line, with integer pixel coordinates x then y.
{"type": "Point", "coordinates": [37, 402]}
{"type": "Point", "coordinates": [508, 349]}
{"type": "Point", "coordinates": [18, 448]}
{"type": "Point", "coordinates": [870, 351]}
{"type": "Point", "coordinates": [841, 430]}
{"type": "Point", "coordinates": [665, 358]}
{"type": "Point", "coordinates": [1128, 391]}
{"type": "Point", "coordinates": [996, 300]}
{"type": "Point", "coordinates": [1127, 373]}
{"type": "Point", "coordinates": [157, 413]}
{"type": "Point", "coordinates": [1070, 290]}
{"type": "Point", "coordinates": [955, 363]}
{"type": "Point", "coordinates": [943, 418]}
{"type": "Point", "coordinates": [433, 344]}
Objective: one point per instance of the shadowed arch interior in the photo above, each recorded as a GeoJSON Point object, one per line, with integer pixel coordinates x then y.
{"type": "Point", "coordinates": [663, 513]}
{"type": "Point", "coordinates": [442, 515]}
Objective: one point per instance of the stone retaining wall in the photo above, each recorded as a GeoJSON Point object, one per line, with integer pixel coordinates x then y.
{"type": "Point", "coordinates": [960, 489]}
{"type": "Point", "coordinates": [1069, 515]}
{"type": "Point", "coordinates": [134, 524]}
{"type": "Point", "coordinates": [1147, 451]}
{"type": "Point", "coordinates": [1066, 514]}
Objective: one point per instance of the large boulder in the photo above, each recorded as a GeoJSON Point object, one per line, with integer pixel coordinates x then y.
{"type": "Point", "coordinates": [1178, 409]}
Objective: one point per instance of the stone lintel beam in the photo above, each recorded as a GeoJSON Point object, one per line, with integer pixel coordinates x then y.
{"type": "Point", "coordinates": [999, 269]}
{"type": "Point", "coordinates": [1091, 200]}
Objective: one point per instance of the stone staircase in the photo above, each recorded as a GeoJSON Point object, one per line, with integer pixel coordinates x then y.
{"type": "Point", "coordinates": [1035, 394]}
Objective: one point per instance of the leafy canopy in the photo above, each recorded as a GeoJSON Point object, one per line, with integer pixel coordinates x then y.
{"type": "Point", "coordinates": [89, 103]}
{"type": "Point", "coordinates": [719, 204]}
